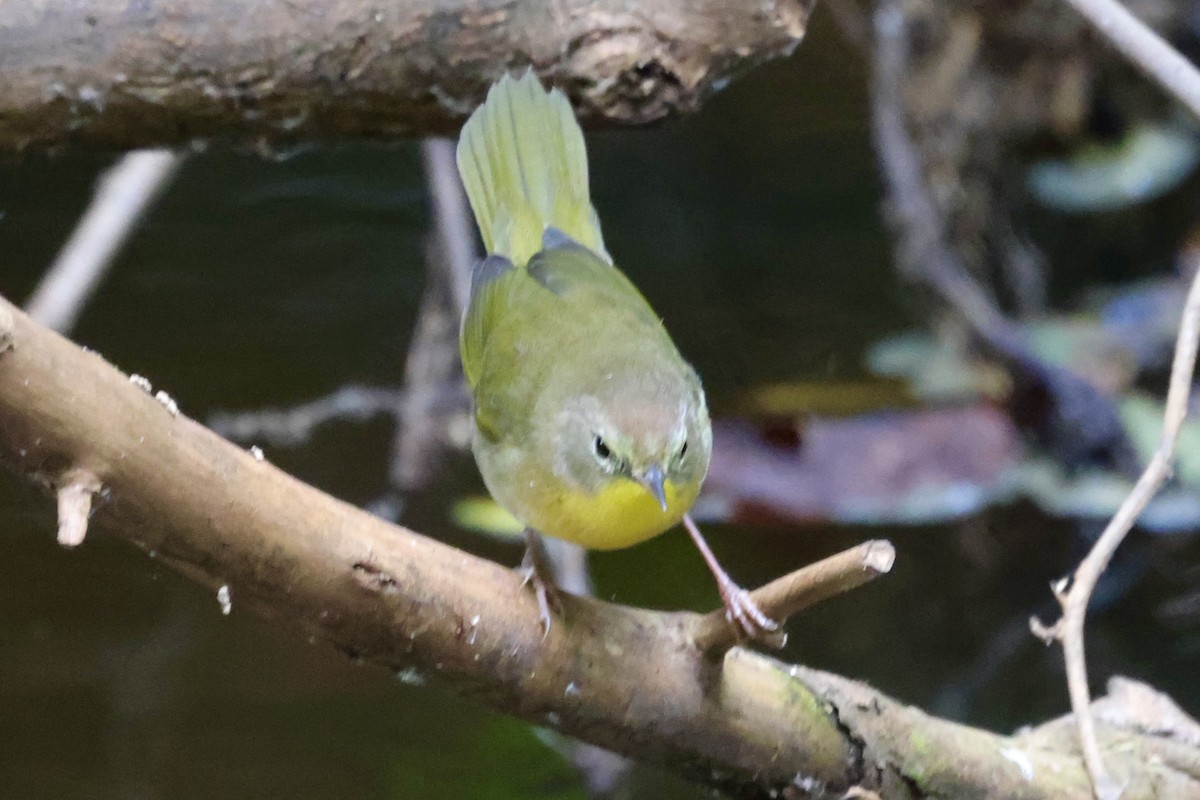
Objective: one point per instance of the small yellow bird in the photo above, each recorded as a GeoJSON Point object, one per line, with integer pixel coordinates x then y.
{"type": "Point", "coordinates": [589, 425]}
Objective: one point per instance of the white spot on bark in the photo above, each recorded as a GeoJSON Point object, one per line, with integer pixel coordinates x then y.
{"type": "Point", "coordinates": [6, 329]}
{"type": "Point", "coordinates": [225, 598]}
{"type": "Point", "coordinates": [1021, 759]}
{"type": "Point", "coordinates": [168, 403]}
{"type": "Point", "coordinates": [411, 676]}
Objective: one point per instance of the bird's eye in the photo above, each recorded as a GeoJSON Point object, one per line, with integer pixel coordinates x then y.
{"type": "Point", "coordinates": [602, 450]}
{"type": "Point", "coordinates": [683, 450]}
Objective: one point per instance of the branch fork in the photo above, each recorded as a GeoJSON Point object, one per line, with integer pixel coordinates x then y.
{"type": "Point", "coordinates": [807, 586]}
{"type": "Point", "coordinates": [1075, 592]}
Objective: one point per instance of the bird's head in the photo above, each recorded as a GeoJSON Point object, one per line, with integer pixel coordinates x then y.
{"type": "Point", "coordinates": [647, 427]}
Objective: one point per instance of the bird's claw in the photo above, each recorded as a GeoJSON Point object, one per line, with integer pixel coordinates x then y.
{"type": "Point", "coordinates": [543, 589]}
{"type": "Point", "coordinates": [747, 619]}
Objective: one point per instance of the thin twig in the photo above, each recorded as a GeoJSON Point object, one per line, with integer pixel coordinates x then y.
{"type": "Point", "coordinates": [451, 217]}
{"type": "Point", "coordinates": [432, 364]}
{"type": "Point", "coordinates": [294, 426]}
{"type": "Point", "coordinates": [1081, 422]}
{"type": "Point", "coordinates": [1075, 599]}
{"type": "Point", "coordinates": [430, 373]}
{"type": "Point", "coordinates": [123, 194]}
{"type": "Point", "coordinates": [1145, 48]}
{"type": "Point", "coordinates": [803, 588]}
{"type": "Point", "coordinates": [1166, 66]}
{"type": "Point", "coordinates": [923, 252]}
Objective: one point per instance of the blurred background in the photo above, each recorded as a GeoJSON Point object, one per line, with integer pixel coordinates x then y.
{"type": "Point", "coordinates": [755, 228]}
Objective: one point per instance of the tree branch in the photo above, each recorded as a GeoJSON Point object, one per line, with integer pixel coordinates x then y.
{"type": "Point", "coordinates": [791, 594]}
{"type": "Point", "coordinates": [1161, 62]}
{"type": "Point", "coordinates": [116, 74]}
{"type": "Point", "coordinates": [630, 680]}
{"type": "Point", "coordinates": [622, 678]}
{"type": "Point", "coordinates": [123, 194]}
{"type": "Point", "coordinates": [1174, 73]}
{"type": "Point", "coordinates": [1078, 595]}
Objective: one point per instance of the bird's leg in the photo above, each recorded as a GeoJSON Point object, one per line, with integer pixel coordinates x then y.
{"type": "Point", "coordinates": [743, 614]}
{"type": "Point", "coordinates": [536, 570]}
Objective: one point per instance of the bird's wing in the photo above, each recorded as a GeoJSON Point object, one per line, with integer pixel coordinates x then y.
{"type": "Point", "coordinates": [521, 322]}
{"type": "Point", "coordinates": [491, 298]}
{"type": "Point", "coordinates": [578, 275]}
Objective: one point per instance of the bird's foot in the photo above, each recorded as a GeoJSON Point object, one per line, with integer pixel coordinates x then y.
{"type": "Point", "coordinates": [742, 613]}
{"type": "Point", "coordinates": [747, 619]}
{"type": "Point", "coordinates": [534, 570]}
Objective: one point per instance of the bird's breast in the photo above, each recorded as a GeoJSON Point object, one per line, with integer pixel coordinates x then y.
{"type": "Point", "coordinates": [620, 514]}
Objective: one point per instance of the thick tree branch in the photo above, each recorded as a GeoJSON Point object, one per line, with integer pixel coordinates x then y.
{"type": "Point", "coordinates": [626, 679]}
{"type": "Point", "coordinates": [630, 680]}
{"type": "Point", "coordinates": [118, 74]}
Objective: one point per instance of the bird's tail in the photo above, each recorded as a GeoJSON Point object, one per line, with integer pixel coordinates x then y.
{"type": "Point", "coordinates": [522, 159]}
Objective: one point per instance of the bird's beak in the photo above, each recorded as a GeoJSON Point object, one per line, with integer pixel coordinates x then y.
{"type": "Point", "coordinates": [653, 479]}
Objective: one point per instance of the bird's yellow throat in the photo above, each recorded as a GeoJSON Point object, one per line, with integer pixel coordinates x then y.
{"type": "Point", "coordinates": [622, 513]}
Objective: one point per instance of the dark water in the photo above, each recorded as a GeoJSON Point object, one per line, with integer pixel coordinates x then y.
{"type": "Point", "coordinates": [752, 227]}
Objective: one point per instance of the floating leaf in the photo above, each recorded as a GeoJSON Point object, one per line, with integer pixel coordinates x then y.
{"type": "Point", "coordinates": [1143, 418]}
{"type": "Point", "coordinates": [830, 398]}
{"type": "Point", "coordinates": [1150, 160]}
{"type": "Point", "coordinates": [937, 371]}
{"type": "Point", "coordinates": [904, 466]}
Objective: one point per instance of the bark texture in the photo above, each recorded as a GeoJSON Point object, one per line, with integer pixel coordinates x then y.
{"type": "Point", "coordinates": [137, 73]}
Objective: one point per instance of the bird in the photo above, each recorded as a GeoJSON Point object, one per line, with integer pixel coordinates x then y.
{"type": "Point", "coordinates": [588, 424]}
